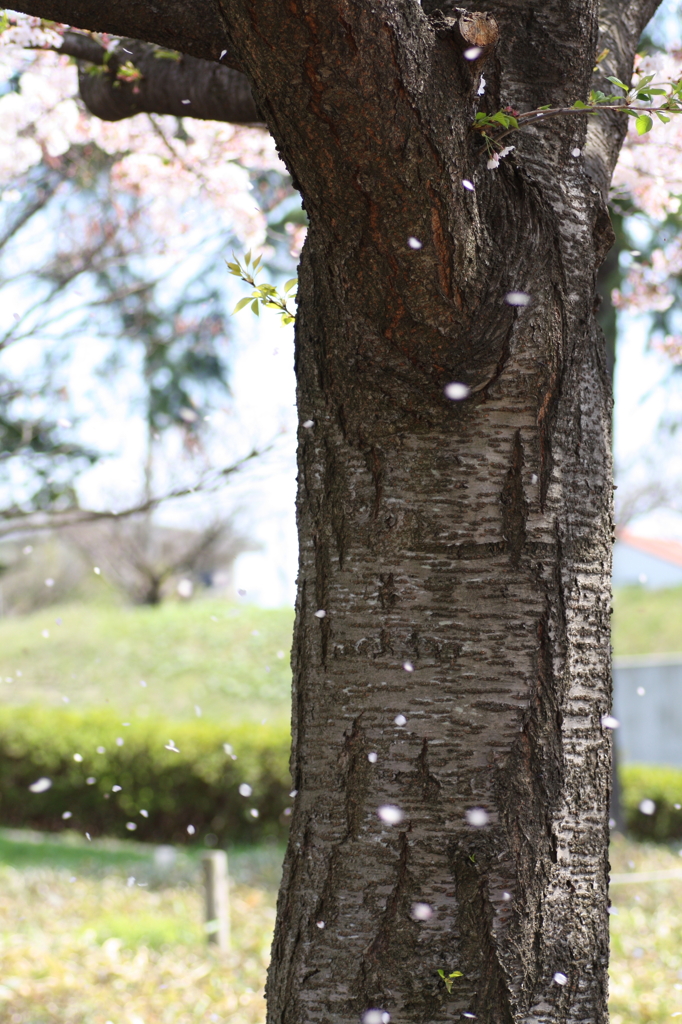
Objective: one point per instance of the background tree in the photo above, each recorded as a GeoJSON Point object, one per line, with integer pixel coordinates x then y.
{"type": "Point", "coordinates": [110, 233]}
{"type": "Point", "coordinates": [448, 850]}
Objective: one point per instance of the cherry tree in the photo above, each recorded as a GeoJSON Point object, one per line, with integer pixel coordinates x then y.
{"type": "Point", "coordinates": [451, 758]}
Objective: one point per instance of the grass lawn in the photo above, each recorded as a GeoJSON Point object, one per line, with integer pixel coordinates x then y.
{"type": "Point", "coordinates": [647, 621]}
{"type": "Point", "coordinates": [219, 658]}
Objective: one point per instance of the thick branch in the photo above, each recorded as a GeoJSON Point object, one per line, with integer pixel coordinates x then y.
{"type": "Point", "coordinates": [197, 28]}
{"type": "Point", "coordinates": [171, 83]}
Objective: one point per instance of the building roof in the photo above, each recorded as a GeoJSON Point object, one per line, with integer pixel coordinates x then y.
{"type": "Point", "coordinates": [667, 550]}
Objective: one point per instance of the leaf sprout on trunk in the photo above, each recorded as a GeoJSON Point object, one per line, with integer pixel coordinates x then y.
{"type": "Point", "coordinates": [265, 294]}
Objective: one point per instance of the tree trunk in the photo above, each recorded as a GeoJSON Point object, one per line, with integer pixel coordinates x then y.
{"type": "Point", "coordinates": [459, 550]}
{"type": "Point", "coordinates": [461, 553]}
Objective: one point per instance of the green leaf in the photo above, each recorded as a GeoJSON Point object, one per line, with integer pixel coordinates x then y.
{"type": "Point", "coordinates": [234, 268]}
{"type": "Point", "coordinates": [643, 124]}
{"type": "Point", "coordinates": [579, 105]}
{"type": "Point", "coordinates": [247, 258]}
{"type": "Point", "coordinates": [456, 974]}
{"type": "Point", "coordinates": [662, 117]}
{"type": "Point", "coordinates": [241, 304]}
{"type": "Point", "coordinates": [257, 261]}
{"type": "Point", "coordinates": [290, 283]}
{"type": "Point", "coordinates": [617, 81]}
{"type": "Point", "coordinates": [254, 307]}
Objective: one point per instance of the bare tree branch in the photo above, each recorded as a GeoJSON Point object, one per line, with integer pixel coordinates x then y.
{"type": "Point", "coordinates": [18, 522]}
{"type": "Point", "coordinates": [169, 82]}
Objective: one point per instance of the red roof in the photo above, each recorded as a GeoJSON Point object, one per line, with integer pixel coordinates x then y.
{"type": "Point", "coordinates": [666, 550]}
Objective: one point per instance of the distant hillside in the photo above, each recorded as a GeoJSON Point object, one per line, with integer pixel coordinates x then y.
{"type": "Point", "coordinates": [220, 658]}
{"type": "Point", "coordinates": [647, 621]}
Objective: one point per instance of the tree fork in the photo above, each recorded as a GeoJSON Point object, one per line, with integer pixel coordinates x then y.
{"type": "Point", "coordinates": [459, 550]}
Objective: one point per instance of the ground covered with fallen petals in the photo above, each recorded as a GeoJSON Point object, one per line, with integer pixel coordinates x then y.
{"type": "Point", "coordinates": [100, 946]}
{"type": "Point", "coordinates": [646, 933]}
{"type": "Point", "coordinates": [93, 949]}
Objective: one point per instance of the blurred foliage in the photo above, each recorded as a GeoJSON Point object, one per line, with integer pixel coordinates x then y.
{"type": "Point", "coordinates": [663, 786]}
{"type": "Point", "coordinates": [185, 775]}
{"type": "Point", "coordinates": [646, 936]}
{"type": "Point", "coordinates": [153, 866]}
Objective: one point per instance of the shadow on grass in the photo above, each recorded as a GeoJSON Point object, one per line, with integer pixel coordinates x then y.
{"type": "Point", "coordinates": [149, 864]}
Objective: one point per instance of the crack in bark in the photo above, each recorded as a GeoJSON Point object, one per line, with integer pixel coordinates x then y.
{"type": "Point", "coordinates": [427, 782]}
{"type": "Point", "coordinates": [355, 777]}
{"type": "Point", "coordinates": [381, 959]}
{"type": "Point", "coordinates": [484, 975]}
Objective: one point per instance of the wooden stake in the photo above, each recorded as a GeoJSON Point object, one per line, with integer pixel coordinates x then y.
{"type": "Point", "coordinates": [216, 887]}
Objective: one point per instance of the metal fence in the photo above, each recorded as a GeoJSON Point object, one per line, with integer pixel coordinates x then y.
{"type": "Point", "coordinates": [647, 701]}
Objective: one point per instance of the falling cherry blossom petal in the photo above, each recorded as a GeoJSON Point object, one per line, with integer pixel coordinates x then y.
{"type": "Point", "coordinates": [456, 391]}
{"type": "Point", "coordinates": [41, 785]}
{"type": "Point", "coordinates": [477, 816]}
{"type": "Point", "coordinates": [390, 814]}
{"type": "Point", "coordinates": [517, 299]}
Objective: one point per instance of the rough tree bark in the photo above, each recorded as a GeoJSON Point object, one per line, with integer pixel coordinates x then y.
{"type": "Point", "coordinates": [460, 550]}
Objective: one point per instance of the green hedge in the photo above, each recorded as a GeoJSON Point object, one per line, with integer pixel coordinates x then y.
{"type": "Point", "coordinates": [199, 784]}
{"type": "Point", "coordinates": [664, 787]}
{"type": "Point", "coordinates": [196, 786]}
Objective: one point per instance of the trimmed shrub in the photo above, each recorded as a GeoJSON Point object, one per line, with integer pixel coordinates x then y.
{"type": "Point", "coordinates": [104, 773]}
{"type": "Point", "coordinates": [663, 786]}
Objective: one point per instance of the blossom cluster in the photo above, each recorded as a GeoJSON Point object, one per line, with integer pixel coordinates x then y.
{"type": "Point", "coordinates": [648, 177]}
{"type": "Point", "coordinates": [169, 168]}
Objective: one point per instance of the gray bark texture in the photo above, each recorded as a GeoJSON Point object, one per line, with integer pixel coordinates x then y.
{"type": "Point", "coordinates": [459, 549]}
